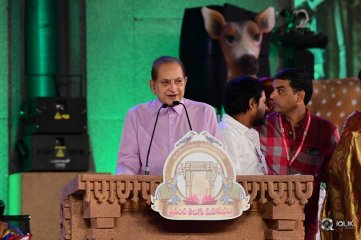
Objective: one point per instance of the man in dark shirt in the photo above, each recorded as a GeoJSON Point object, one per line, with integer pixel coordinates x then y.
{"type": "Point", "coordinates": [294, 141]}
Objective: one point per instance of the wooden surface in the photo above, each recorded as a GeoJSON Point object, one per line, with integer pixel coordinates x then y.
{"type": "Point", "coordinates": [117, 207]}
{"type": "Point", "coordinates": [40, 197]}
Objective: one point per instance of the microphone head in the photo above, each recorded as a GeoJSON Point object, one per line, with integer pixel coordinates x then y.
{"type": "Point", "coordinates": [165, 105]}
{"type": "Point", "coordinates": [175, 103]}
{"type": "Point", "coordinates": [2, 207]}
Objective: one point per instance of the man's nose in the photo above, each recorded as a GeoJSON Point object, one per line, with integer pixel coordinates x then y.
{"type": "Point", "coordinates": [172, 86]}
{"type": "Point", "coordinates": [273, 93]}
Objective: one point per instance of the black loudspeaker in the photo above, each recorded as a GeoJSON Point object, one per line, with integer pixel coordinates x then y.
{"type": "Point", "coordinates": [202, 56]}
{"type": "Point", "coordinates": [54, 115]}
{"type": "Point", "coordinates": [55, 152]}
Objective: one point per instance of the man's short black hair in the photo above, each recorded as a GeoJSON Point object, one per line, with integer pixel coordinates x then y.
{"type": "Point", "coordinates": [238, 93]}
{"type": "Point", "coordinates": [299, 80]}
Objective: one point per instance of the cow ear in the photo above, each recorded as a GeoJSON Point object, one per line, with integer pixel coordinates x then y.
{"type": "Point", "coordinates": [213, 22]}
{"type": "Point", "coordinates": [266, 19]}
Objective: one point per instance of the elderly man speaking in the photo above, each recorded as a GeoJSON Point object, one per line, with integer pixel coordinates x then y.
{"type": "Point", "coordinates": [151, 129]}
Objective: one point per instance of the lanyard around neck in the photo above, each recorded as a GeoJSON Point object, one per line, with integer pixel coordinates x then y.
{"type": "Point", "coordinates": [261, 161]}
{"type": "Point", "coordinates": [290, 161]}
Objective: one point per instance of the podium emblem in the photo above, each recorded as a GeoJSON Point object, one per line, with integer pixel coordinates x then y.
{"type": "Point", "coordinates": [199, 182]}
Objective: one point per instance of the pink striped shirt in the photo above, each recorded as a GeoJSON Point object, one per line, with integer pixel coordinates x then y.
{"type": "Point", "coordinates": [172, 125]}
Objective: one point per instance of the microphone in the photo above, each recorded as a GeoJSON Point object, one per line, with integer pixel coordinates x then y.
{"type": "Point", "coordinates": [2, 208]}
{"type": "Point", "coordinates": [175, 103]}
{"type": "Point", "coordinates": [146, 169]}
{"type": "Point", "coordinates": [359, 75]}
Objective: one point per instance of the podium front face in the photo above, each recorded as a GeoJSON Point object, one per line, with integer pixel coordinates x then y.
{"type": "Point", "coordinates": [99, 206]}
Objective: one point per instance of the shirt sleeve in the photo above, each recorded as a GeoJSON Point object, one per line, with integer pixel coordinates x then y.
{"type": "Point", "coordinates": [128, 154]}
{"type": "Point", "coordinates": [335, 137]}
{"type": "Point", "coordinates": [213, 124]}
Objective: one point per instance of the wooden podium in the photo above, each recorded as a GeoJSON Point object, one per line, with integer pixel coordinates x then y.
{"type": "Point", "coordinates": [105, 207]}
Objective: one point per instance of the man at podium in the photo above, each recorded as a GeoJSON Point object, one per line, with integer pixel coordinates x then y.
{"type": "Point", "coordinates": [151, 129]}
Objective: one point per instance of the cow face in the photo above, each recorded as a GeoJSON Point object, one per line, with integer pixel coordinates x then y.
{"type": "Point", "coordinates": [240, 41]}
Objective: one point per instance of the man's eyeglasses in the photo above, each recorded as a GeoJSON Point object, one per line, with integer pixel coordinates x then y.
{"type": "Point", "coordinates": [178, 81]}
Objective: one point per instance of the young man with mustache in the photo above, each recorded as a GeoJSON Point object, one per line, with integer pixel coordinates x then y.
{"type": "Point", "coordinates": [295, 141]}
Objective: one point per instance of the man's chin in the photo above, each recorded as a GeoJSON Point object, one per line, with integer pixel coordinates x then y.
{"type": "Point", "coordinates": [275, 109]}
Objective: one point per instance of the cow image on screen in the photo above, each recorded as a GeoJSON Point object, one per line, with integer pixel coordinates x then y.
{"type": "Point", "coordinates": [240, 41]}
{"type": "Point", "coordinates": [219, 43]}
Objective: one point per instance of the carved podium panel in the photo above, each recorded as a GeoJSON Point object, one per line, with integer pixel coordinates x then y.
{"type": "Point", "coordinates": [100, 206]}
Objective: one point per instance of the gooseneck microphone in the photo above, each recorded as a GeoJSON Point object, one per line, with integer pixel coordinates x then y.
{"type": "Point", "coordinates": [146, 169]}
{"type": "Point", "coordinates": [2, 208]}
{"type": "Point", "coordinates": [175, 103]}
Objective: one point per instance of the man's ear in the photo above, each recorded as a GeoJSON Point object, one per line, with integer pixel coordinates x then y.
{"type": "Point", "coordinates": [185, 81]}
{"type": "Point", "coordinates": [301, 96]}
{"type": "Point", "coordinates": [252, 104]}
{"type": "Point", "coordinates": [152, 85]}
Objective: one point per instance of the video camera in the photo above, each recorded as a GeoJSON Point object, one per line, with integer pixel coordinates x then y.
{"type": "Point", "coordinates": [295, 33]}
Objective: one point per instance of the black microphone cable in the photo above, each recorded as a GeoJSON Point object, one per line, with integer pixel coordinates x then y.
{"type": "Point", "coordinates": [146, 169]}
{"type": "Point", "coordinates": [175, 103]}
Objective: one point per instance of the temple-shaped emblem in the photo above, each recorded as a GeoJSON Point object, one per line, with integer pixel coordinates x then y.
{"type": "Point", "coordinates": [199, 182]}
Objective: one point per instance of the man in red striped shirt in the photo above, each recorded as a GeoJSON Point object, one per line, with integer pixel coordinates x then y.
{"type": "Point", "coordinates": [294, 141]}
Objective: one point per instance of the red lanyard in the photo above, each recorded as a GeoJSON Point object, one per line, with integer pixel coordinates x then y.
{"type": "Point", "coordinates": [285, 142]}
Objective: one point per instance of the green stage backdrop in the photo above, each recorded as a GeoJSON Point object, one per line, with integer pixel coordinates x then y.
{"type": "Point", "coordinates": [122, 39]}
{"type": "Point", "coordinates": [3, 101]}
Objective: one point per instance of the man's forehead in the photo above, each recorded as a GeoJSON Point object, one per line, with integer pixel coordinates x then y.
{"type": "Point", "coordinates": [170, 71]}
{"type": "Point", "coordinates": [172, 78]}
{"type": "Point", "coordinates": [276, 83]}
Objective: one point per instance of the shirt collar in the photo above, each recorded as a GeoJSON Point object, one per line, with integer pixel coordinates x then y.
{"type": "Point", "coordinates": [235, 123]}
{"type": "Point", "coordinates": [302, 123]}
{"type": "Point", "coordinates": [178, 109]}
{"type": "Point", "coordinates": [250, 132]}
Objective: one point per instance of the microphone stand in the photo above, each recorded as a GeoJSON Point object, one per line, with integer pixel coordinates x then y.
{"type": "Point", "coordinates": [146, 169]}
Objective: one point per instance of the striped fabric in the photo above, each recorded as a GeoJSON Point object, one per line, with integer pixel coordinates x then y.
{"type": "Point", "coordinates": [313, 159]}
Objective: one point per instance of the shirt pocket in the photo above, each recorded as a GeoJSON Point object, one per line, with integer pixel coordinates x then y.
{"type": "Point", "coordinates": [309, 161]}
